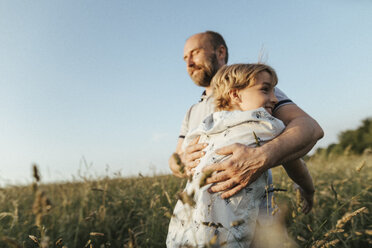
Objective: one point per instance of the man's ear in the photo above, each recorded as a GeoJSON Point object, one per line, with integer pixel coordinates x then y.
{"type": "Point", "coordinates": [234, 96]}
{"type": "Point", "coordinates": [221, 53]}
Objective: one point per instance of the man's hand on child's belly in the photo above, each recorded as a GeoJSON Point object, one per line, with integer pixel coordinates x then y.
{"type": "Point", "coordinates": [245, 165]}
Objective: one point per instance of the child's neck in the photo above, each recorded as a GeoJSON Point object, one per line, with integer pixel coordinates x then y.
{"type": "Point", "coordinates": [208, 91]}
{"type": "Point", "coordinates": [235, 107]}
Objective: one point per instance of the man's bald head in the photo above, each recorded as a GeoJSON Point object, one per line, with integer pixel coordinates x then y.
{"type": "Point", "coordinates": [204, 54]}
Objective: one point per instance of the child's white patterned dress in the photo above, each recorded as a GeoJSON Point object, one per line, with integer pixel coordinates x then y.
{"type": "Point", "coordinates": [226, 221]}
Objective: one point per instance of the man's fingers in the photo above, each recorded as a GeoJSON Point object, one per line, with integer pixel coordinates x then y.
{"type": "Point", "coordinates": [193, 164]}
{"type": "Point", "coordinates": [233, 191]}
{"type": "Point", "coordinates": [309, 206]}
{"type": "Point", "coordinates": [218, 177]}
{"type": "Point", "coordinates": [194, 148]}
{"type": "Point", "coordinates": [194, 156]}
{"type": "Point", "coordinates": [218, 166]}
{"type": "Point", "coordinates": [198, 147]}
{"type": "Point", "coordinates": [226, 150]}
{"type": "Point", "coordinates": [222, 186]}
{"type": "Point", "coordinates": [195, 141]}
{"type": "Point", "coordinates": [306, 208]}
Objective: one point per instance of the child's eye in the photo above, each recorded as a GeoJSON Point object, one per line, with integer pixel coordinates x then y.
{"type": "Point", "coordinates": [265, 89]}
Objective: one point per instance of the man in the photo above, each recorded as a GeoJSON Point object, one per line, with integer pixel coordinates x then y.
{"type": "Point", "coordinates": [204, 54]}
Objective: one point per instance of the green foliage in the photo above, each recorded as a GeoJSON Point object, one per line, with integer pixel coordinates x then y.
{"type": "Point", "coordinates": [355, 141]}
{"type": "Point", "coordinates": [358, 139]}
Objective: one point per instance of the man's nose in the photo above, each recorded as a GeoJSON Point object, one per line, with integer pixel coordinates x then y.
{"type": "Point", "coordinates": [190, 62]}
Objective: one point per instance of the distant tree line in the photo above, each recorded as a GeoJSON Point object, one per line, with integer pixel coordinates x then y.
{"type": "Point", "coordinates": [355, 141]}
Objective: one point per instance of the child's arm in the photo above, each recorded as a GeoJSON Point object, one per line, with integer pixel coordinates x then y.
{"type": "Point", "coordinates": [299, 173]}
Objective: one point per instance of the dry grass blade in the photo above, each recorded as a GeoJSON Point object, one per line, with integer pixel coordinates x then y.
{"type": "Point", "coordinates": [178, 160]}
{"type": "Point", "coordinates": [33, 238]}
{"type": "Point", "coordinates": [35, 173]}
{"type": "Point", "coordinates": [11, 242]}
{"type": "Point", "coordinates": [301, 238]}
{"type": "Point", "coordinates": [168, 215]}
{"type": "Point", "coordinates": [237, 223]}
{"type": "Point", "coordinates": [204, 177]}
{"type": "Point", "coordinates": [257, 139]}
{"type": "Point", "coordinates": [59, 242]}
{"type": "Point", "coordinates": [168, 198]}
{"type": "Point", "coordinates": [41, 206]}
{"type": "Point", "coordinates": [347, 217]}
{"type": "Point", "coordinates": [88, 244]}
{"type": "Point", "coordinates": [334, 231]}
{"type": "Point", "coordinates": [187, 199]}
{"type": "Point", "coordinates": [318, 243]}
{"type": "Point", "coordinates": [274, 211]}
{"type": "Point", "coordinates": [97, 234]}
{"type": "Point", "coordinates": [212, 224]}
{"type": "Point", "coordinates": [360, 167]}
{"type": "Point", "coordinates": [98, 189]}
{"type": "Point", "coordinates": [213, 240]}
{"type": "Point", "coordinates": [330, 243]}
{"type": "Point", "coordinates": [275, 190]}
{"type": "Point", "coordinates": [334, 192]}
{"type": "Point", "coordinates": [132, 239]}
{"type": "Point", "coordinates": [3, 215]}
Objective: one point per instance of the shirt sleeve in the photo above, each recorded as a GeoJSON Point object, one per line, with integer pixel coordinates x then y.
{"type": "Point", "coordinates": [282, 99]}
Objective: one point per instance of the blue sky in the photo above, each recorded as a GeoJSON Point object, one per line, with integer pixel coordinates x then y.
{"type": "Point", "coordinates": [104, 81]}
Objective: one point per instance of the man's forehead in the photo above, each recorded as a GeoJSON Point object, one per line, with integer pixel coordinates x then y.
{"type": "Point", "coordinates": [197, 41]}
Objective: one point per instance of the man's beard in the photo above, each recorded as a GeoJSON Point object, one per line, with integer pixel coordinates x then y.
{"type": "Point", "coordinates": [204, 73]}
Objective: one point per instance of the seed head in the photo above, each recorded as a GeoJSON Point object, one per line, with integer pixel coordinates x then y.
{"type": "Point", "coordinates": [35, 173]}
{"type": "Point", "coordinates": [360, 166]}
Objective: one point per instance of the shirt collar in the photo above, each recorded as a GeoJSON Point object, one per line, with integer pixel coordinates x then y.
{"type": "Point", "coordinates": [203, 96]}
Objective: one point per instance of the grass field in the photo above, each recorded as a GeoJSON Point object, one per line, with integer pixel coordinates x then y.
{"type": "Point", "coordinates": [135, 212]}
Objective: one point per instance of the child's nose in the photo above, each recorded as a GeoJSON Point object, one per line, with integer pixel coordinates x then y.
{"type": "Point", "coordinates": [273, 98]}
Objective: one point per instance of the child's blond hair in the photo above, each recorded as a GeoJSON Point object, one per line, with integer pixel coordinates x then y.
{"type": "Point", "coordinates": [236, 76]}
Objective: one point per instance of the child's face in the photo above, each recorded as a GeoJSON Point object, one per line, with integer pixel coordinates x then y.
{"type": "Point", "coordinates": [261, 94]}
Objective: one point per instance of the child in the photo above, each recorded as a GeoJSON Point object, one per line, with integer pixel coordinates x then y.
{"type": "Point", "coordinates": [244, 97]}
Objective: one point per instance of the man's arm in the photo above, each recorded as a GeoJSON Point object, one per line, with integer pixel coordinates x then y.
{"type": "Point", "coordinates": [246, 163]}
{"type": "Point", "coordinates": [300, 135]}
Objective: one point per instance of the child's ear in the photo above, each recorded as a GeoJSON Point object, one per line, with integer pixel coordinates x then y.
{"type": "Point", "coordinates": [234, 96]}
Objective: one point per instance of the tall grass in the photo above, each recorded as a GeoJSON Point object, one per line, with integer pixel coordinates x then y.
{"type": "Point", "coordinates": [135, 212]}
{"type": "Point", "coordinates": [341, 215]}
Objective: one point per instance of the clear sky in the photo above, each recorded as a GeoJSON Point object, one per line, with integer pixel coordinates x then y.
{"type": "Point", "coordinates": [104, 81]}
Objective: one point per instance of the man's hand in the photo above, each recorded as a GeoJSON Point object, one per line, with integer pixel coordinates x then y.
{"type": "Point", "coordinates": [245, 165]}
{"type": "Point", "coordinates": [307, 199]}
{"type": "Point", "coordinates": [190, 158]}
{"type": "Point", "coordinates": [192, 154]}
